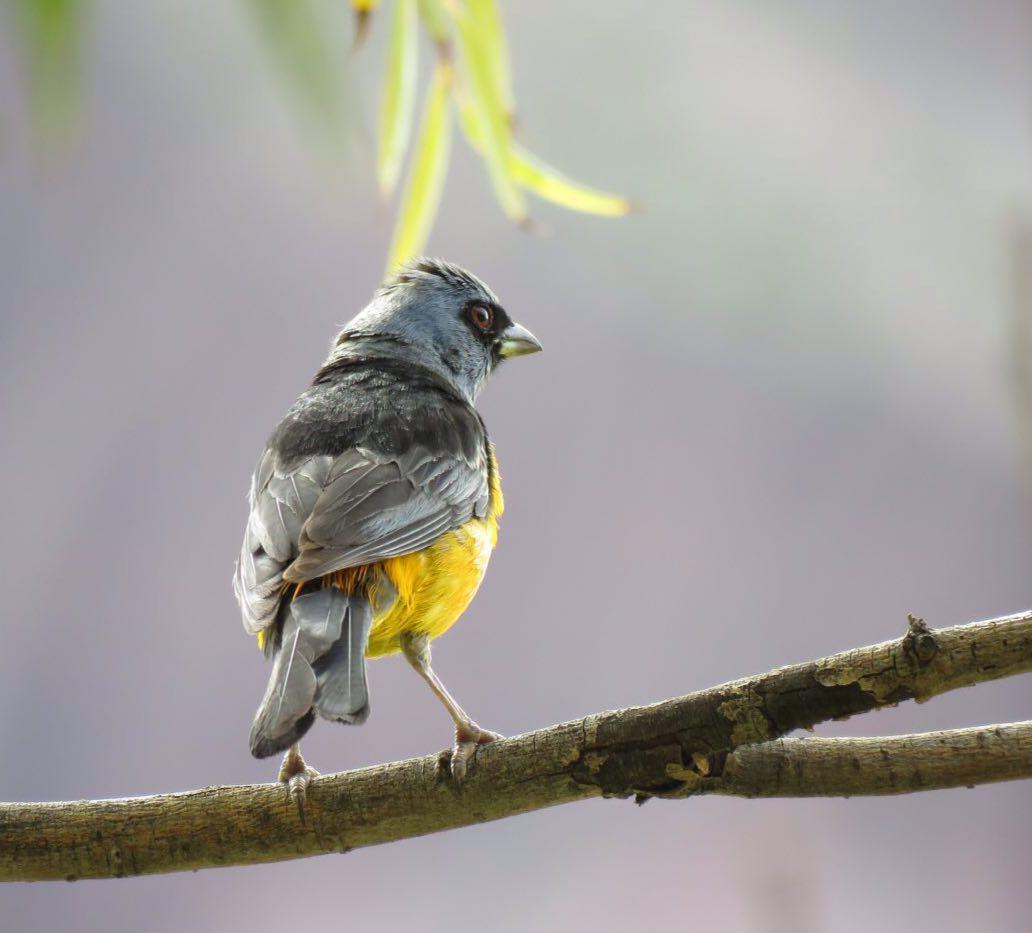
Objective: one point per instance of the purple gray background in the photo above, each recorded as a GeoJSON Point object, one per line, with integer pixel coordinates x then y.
{"type": "Point", "coordinates": [775, 413]}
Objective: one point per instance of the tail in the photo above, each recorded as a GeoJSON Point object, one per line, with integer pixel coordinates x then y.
{"type": "Point", "coordinates": [318, 667]}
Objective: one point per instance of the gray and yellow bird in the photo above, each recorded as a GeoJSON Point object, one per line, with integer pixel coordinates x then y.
{"type": "Point", "coordinates": [374, 507]}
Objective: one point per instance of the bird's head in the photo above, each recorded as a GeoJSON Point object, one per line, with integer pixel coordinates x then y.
{"type": "Point", "coordinates": [437, 315]}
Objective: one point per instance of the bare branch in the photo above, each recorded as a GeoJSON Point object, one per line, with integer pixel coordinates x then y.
{"type": "Point", "coordinates": [898, 764]}
{"type": "Point", "coordinates": [657, 750]}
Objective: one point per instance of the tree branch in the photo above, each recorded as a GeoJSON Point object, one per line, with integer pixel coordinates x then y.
{"type": "Point", "coordinates": [898, 764]}
{"type": "Point", "coordinates": [657, 750]}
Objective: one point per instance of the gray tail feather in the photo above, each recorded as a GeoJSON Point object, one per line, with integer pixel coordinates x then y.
{"type": "Point", "coordinates": [318, 667]}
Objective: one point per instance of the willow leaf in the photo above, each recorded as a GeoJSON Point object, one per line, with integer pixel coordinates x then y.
{"type": "Point", "coordinates": [296, 38]}
{"type": "Point", "coordinates": [427, 171]}
{"type": "Point", "coordinates": [468, 119]}
{"type": "Point", "coordinates": [51, 35]}
{"type": "Point", "coordinates": [489, 26]}
{"type": "Point", "coordinates": [550, 184]}
{"type": "Point", "coordinates": [399, 95]}
{"type": "Point", "coordinates": [541, 178]}
{"type": "Point", "coordinates": [435, 18]}
{"type": "Point", "coordinates": [489, 114]}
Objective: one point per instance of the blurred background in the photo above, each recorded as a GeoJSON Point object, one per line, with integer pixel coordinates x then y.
{"type": "Point", "coordinates": [784, 406]}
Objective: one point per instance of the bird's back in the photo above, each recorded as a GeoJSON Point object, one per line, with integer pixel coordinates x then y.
{"type": "Point", "coordinates": [392, 462]}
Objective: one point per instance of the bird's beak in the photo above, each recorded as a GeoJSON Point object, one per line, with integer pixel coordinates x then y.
{"type": "Point", "coordinates": [516, 340]}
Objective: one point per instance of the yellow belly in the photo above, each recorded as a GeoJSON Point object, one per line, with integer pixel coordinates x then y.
{"type": "Point", "coordinates": [429, 589]}
{"type": "Point", "coordinates": [434, 586]}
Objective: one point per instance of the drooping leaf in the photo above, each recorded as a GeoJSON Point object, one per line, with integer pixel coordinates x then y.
{"type": "Point", "coordinates": [541, 178]}
{"type": "Point", "coordinates": [488, 113]}
{"type": "Point", "coordinates": [548, 183]}
{"type": "Point", "coordinates": [51, 32]}
{"type": "Point", "coordinates": [435, 18]}
{"type": "Point", "coordinates": [468, 119]}
{"type": "Point", "coordinates": [294, 33]}
{"type": "Point", "coordinates": [489, 26]}
{"type": "Point", "coordinates": [427, 171]}
{"type": "Point", "coordinates": [399, 95]}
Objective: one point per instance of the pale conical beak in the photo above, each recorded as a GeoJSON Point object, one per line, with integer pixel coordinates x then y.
{"type": "Point", "coordinates": [516, 340]}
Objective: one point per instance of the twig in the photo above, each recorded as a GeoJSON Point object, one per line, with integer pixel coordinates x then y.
{"type": "Point", "coordinates": [898, 764]}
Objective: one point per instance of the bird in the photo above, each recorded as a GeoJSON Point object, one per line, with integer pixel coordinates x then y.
{"type": "Point", "coordinates": [374, 509]}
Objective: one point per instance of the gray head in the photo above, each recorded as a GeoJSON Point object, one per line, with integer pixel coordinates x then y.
{"type": "Point", "coordinates": [440, 316]}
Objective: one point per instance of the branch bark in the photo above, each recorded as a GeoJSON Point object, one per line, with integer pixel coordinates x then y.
{"type": "Point", "coordinates": [679, 747]}
{"type": "Point", "coordinates": [898, 764]}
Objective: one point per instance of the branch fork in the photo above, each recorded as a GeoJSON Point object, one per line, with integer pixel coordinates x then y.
{"type": "Point", "coordinates": [727, 740]}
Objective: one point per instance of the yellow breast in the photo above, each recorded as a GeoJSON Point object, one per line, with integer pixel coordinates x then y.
{"type": "Point", "coordinates": [434, 586]}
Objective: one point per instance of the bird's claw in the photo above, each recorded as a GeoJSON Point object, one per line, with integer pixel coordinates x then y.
{"type": "Point", "coordinates": [296, 775]}
{"type": "Point", "coordinates": [467, 740]}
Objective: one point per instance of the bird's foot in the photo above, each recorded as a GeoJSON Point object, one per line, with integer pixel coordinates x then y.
{"type": "Point", "coordinates": [468, 738]}
{"type": "Point", "coordinates": [296, 775]}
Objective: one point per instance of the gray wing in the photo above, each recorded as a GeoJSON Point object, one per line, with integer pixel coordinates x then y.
{"type": "Point", "coordinates": [376, 506]}
{"type": "Point", "coordinates": [281, 501]}
{"type": "Point", "coordinates": [331, 513]}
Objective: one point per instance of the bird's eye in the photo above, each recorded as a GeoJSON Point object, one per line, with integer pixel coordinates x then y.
{"type": "Point", "coordinates": [481, 317]}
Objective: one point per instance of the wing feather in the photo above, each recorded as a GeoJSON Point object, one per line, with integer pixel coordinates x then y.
{"type": "Point", "coordinates": [280, 501]}
{"type": "Point", "coordinates": [395, 506]}
{"type": "Point", "coordinates": [390, 493]}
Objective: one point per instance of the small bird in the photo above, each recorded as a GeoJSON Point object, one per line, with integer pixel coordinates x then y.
{"type": "Point", "coordinates": [374, 508]}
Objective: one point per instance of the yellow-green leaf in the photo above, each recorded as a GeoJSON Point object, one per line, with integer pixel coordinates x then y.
{"type": "Point", "coordinates": [427, 171]}
{"type": "Point", "coordinates": [541, 178]}
{"type": "Point", "coordinates": [399, 95]}
{"type": "Point", "coordinates": [296, 37]}
{"type": "Point", "coordinates": [51, 36]}
{"type": "Point", "coordinates": [489, 27]}
{"type": "Point", "coordinates": [435, 18]}
{"type": "Point", "coordinates": [550, 184]}
{"type": "Point", "coordinates": [468, 119]}
{"type": "Point", "coordinates": [489, 113]}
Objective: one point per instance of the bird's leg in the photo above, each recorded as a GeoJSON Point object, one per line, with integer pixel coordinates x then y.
{"type": "Point", "coordinates": [468, 735]}
{"type": "Point", "coordinates": [297, 776]}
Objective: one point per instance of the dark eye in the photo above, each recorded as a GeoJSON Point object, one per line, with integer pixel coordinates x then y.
{"type": "Point", "coordinates": [481, 317]}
